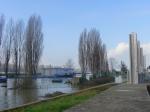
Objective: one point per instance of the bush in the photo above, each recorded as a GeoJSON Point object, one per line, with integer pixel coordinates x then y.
{"type": "Point", "coordinates": [97, 81]}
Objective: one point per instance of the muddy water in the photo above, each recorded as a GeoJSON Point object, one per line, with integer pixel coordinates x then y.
{"type": "Point", "coordinates": [35, 89]}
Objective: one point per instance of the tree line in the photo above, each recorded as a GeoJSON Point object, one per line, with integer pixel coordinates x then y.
{"type": "Point", "coordinates": [92, 53]}
{"type": "Point", "coordinates": [21, 44]}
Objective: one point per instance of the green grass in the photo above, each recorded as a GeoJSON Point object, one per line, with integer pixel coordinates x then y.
{"type": "Point", "coordinates": [63, 103]}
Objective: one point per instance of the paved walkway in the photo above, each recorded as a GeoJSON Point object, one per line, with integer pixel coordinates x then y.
{"type": "Point", "coordinates": [121, 98]}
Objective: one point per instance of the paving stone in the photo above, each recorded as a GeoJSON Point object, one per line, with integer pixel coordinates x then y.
{"type": "Point", "coordinates": [121, 98]}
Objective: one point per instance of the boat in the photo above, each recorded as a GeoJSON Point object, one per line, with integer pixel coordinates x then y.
{"type": "Point", "coordinates": [3, 79]}
{"type": "Point", "coordinates": [57, 80]}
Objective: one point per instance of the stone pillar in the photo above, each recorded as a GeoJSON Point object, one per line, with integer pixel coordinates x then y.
{"type": "Point", "coordinates": [144, 63]}
{"type": "Point", "coordinates": [142, 59]}
{"type": "Point", "coordinates": [133, 77]}
{"type": "Point", "coordinates": [139, 58]}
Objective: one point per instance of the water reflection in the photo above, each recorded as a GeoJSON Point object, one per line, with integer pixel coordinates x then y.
{"type": "Point", "coordinates": [20, 91]}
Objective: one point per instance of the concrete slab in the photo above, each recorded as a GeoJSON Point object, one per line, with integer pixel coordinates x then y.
{"type": "Point", "coordinates": [121, 98]}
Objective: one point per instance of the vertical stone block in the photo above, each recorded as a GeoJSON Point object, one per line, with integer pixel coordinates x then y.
{"type": "Point", "coordinates": [133, 77]}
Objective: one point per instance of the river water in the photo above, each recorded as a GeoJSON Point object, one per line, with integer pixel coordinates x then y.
{"type": "Point", "coordinates": [36, 90]}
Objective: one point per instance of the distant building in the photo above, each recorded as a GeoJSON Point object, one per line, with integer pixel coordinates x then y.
{"type": "Point", "coordinates": [51, 71]}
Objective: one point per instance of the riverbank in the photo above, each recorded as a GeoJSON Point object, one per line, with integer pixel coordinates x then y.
{"type": "Point", "coordinates": [95, 82]}
{"type": "Point", "coordinates": [62, 102]}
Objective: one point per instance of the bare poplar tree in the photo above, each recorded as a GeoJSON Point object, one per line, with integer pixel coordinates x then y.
{"type": "Point", "coordinates": [83, 53]}
{"type": "Point", "coordinates": [33, 44]}
{"type": "Point", "coordinates": [113, 64]}
{"type": "Point", "coordinates": [104, 61]}
{"type": "Point", "coordinates": [92, 53]}
{"type": "Point", "coordinates": [18, 45]}
{"type": "Point", "coordinates": [21, 43]}
{"type": "Point", "coordinates": [9, 34]}
{"type": "Point", "coordinates": [2, 23]}
{"type": "Point", "coordinates": [69, 63]}
{"type": "Point", "coordinates": [123, 69]}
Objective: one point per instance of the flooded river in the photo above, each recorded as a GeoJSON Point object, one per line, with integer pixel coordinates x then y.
{"type": "Point", "coordinates": [36, 90]}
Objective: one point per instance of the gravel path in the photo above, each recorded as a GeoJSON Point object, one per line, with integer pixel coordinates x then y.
{"type": "Point", "coordinates": [121, 98]}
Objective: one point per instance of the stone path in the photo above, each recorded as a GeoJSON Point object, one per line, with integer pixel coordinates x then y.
{"type": "Point", "coordinates": [121, 98]}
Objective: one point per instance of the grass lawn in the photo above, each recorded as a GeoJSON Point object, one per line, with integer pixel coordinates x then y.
{"type": "Point", "coordinates": [62, 103]}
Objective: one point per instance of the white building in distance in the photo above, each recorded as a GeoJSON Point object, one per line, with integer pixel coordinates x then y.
{"type": "Point", "coordinates": [55, 71]}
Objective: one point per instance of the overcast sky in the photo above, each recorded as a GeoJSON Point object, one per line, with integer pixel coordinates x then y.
{"type": "Point", "coordinates": [63, 21]}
